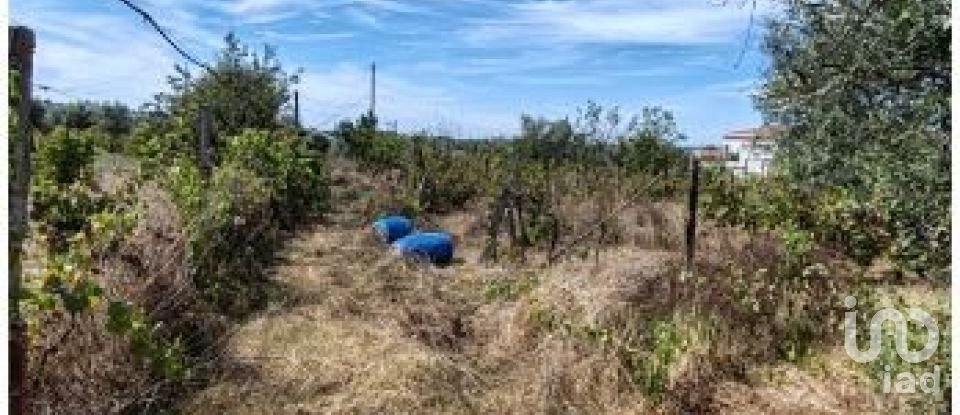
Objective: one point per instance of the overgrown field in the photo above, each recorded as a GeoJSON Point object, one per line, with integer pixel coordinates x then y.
{"type": "Point", "coordinates": [361, 331]}
{"type": "Point", "coordinates": [160, 280]}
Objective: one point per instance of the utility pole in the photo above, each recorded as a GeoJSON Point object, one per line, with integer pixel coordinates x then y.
{"type": "Point", "coordinates": [373, 89]}
{"type": "Point", "coordinates": [22, 45]}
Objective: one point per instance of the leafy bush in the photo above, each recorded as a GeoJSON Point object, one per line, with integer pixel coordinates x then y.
{"type": "Point", "coordinates": [235, 241]}
{"type": "Point", "coordinates": [267, 180]}
{"type": "Point", "coordinates": [868, 123]}
{"type": "Point", "coordinates": [158, 145]}
{"type": "Point", "coordinates": [65, 195]}
{"type": "Point", "coordinates": [291, 170]}
{"type": "Point", "coordinates": [266, 177]}
{"type": "Point", "coordinates": [834, 217]}
{"type": "Point", "coordinates": [231, 219]}
{"type": "Point", "coordinates": [374, 150]}
{"type": "Point", "coordinates": [245, 89]}
{"type": "Point", "coordinates": [113, 119]}
{"type": "Point", "coordinates": [440, 179]}
{"type": "Point", "coordinates": [64, 156]}
{"type": "Point", "coordinates": [81, 227]}
{"type": "Point", "coordinates": [231, 231]}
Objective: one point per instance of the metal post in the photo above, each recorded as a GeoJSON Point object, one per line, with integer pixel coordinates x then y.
{"type": "Point", "coordinates": [22, 45]}
{"type": "Point", "coordinates": [373, 89]}
{"type": "Point", "coordinates": [296, 109]}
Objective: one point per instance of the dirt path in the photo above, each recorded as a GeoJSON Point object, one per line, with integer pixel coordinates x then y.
{"type": "Point", "coordinates": [358, 331]}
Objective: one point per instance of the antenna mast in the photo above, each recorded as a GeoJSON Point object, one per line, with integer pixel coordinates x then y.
{"type": "Point", "coordinates": [373, 88]}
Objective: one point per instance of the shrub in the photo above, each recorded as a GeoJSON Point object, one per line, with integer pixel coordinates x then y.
{"type": "Point", "coordinates": [884, 139]}
{"type": "Point", "coordinates": [65, 303]}
{"type": "Point", "coordinates": [374, 150]}
{"type": "Point", "coordinates": [64, 156]}
{"type": "Point", "coordinates": [267, 180]}
{"type": "Point", "coordinates": [159, 144]}
{"type": "Point", "coordinates": [65, 195]}
{"type": "Point", "coordinates": [243, 89]}
{"type": "Point", "coordinates": [293, 172]}
{"type": "Point", "coordinates": [837, 218]}
{"type": "Point", "coordinates": [231, 231]}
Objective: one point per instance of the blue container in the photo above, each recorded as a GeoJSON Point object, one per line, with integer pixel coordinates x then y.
{"type": "Point", "coordinates": [391, 228]}
{"type": "Point", "coordinates": [437, 247]}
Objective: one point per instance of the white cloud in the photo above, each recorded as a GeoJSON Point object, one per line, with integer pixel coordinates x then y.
{"type": "Point", "coordinates": [348, 85]}
{"type": "Point", "coordinates": [250, 7]}
{"type": "Point", "coordinates": [546, 55]}
{"type": "Point", "coordinates": [268, 17]}
{"type": "Point", "coordinates": [127, 62]}
{"type": "Point", "coordinates": [303, 37]}
{"type": "Point", "coordinates": [136, 71]}
{"type": "Point", "coordinates": [363, 17]}
{"type": "Point", "coordinates": [246, 8]}
{"type": "Point", "coordinates": [612, 21]}
{"type": "Point", "coordinates": [525, 62]}
{"type": "Point", "coordinates": [342, 91]}
{"type": "Point", "coordinates": [733, 97]}
{"type": "Point", "coordinates": [182, 19]}
{"type": "Point", "coordinates": [393, 6]}
{"type": "Point", "coordinates": [554, 80]}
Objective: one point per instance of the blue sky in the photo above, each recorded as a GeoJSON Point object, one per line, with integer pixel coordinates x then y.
{"type": "Point", "coordinates": [466, 67]}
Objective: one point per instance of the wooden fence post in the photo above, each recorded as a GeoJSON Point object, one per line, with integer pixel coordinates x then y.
{"type": "Point", "coordinates": [691, 231]}
{"type": "Point", "coordinates": [421, 173]}
{"type": "Point", "coordinates": [495, 217]}
{"type": "Point", "coordinates": [22, 45]}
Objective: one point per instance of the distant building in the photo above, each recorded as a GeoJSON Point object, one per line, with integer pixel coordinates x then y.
{"type": "Point", "coordinates": [751, 151]}
{"type": "Point", "coordinates": [710, 155]}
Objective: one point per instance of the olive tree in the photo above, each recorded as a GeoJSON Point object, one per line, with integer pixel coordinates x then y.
{"type": "Point", "coordinates": [864, 88]}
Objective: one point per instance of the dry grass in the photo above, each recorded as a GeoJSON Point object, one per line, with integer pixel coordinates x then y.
{"type": "Point", "coordinates": [356, 330]}
{"type": "Point", "coordinates": [363, 332]}
{"type": "Point", "coordinates": [78, 367]}
{"type": "Point", "coordinates": [831, 388]}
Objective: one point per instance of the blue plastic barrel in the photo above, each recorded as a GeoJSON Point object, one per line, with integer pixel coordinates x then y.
{"type": "Point", "coordinates": [391, 228]}
{"type": "Point", "coordinates": [437, 247]}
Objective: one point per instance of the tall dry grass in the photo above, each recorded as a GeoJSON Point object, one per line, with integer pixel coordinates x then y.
{"type": "Point", "coordinates": [78, 366]}
{"type": "Point", "coordinates": [363, 332]}
{"type": "Point", "coordinates": [356, 330]}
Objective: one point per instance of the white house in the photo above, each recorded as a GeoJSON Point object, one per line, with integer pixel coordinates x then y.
{"type": "Point", "coordinates": [751, 151]}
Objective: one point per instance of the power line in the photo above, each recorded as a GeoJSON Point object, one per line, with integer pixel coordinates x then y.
{"type": "Point", "coordinates": [149, 19]}
{"type": "Point", "coordinates": [746, 39]}
{"type": "Point", "coordinates": [48, 88]}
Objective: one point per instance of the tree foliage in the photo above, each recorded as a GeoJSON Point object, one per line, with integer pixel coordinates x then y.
{"type": "Point", "coordinates": [863, 87]}
{"type": "Point", "coordinates": [372, 148]}
{"type": "Point", "coordinates": [245, 89]}
{"type": "Point", "coordinates": [114, 119]}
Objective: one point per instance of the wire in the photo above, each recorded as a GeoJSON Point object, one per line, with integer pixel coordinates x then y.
{"type": "Point", "coordinates": [746, 39]}
{"type": "Point", "coordinates": [48, 88]}
{"type": "Point", "coordinates": [149, 19]}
